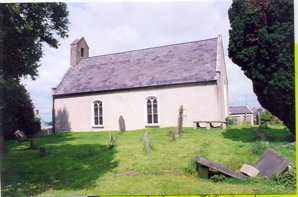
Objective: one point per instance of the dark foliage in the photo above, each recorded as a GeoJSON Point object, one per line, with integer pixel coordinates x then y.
{"type": "Point", "coordinates": [25, 27]}
{"type": "Point", "coordinates": [16, 109]}
{"type": "Point", "coordinates": [262, 44]}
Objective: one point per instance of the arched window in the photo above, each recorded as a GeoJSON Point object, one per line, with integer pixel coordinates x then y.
{"type": "Point", "coordinates": [152, 110]}
{"type": "Point", "coordinates": [82, 52]}
{"type": "Point", "coordinates": [97, 113]}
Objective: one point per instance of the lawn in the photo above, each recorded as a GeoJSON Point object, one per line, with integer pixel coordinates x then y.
{"type": "Point", "coordinates": [82, 163]}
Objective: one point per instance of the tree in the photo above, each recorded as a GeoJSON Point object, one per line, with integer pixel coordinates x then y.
{"type": "Point", "coordinates": [262, 44]}
{"type": "Point", "coordinates": [17, 109]}
{"type": "Point", "coordinates": [267, 117]}
{"type": "Point", "coordinates": [24, 28]}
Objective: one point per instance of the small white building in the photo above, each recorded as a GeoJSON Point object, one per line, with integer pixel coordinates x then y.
{"type": "Point", "coordinates": [45, 128]}
{"type": "Point", "coordinates": [145, 87]}
{"type": "Point", "coordinates": [242, 114]}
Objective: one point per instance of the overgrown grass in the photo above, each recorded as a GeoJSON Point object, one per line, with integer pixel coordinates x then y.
{"type": "Point", "coordinates": [84, 164]}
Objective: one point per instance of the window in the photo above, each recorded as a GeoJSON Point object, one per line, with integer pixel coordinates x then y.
{"type": "Point", "coordinates": [97, 113]}
{"type": "Point", "coordinates": [82, 52]}
{"type": "Point", "coordinates": [152, 110]}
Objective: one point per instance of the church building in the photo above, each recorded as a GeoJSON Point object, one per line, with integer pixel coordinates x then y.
{"type": "Point", "coordinates": [146, 87]}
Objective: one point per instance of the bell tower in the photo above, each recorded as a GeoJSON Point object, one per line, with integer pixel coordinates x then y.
{"type": "Point", "coordinates": [78, 50]}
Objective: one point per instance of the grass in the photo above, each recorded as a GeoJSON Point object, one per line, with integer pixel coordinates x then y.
{"type": "Point", "coordinates": [83, 164]}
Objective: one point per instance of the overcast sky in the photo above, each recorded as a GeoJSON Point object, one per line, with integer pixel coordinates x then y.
{"type": "Point", "coordinates": [111, 27]}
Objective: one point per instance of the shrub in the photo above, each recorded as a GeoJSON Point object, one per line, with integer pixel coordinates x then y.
{"type": "Point", "coordinates": [192, 167]}
{"type": "Point", "coordinates": [267, 117]}
{"type": "Point", "coordinates": [288, 179]}
{"type": "Point", "coordinates": [264, 125]}
{"type": "Point", "coordinates": [231, 121]}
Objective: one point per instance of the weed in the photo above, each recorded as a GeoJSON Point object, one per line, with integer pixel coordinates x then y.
{"type": "Point", "coordinates": [191, 167]}
{"type": "Point", "coordinates": [202, 150]}
{"type": "Point", "coordinates": [218, 178]}
{"type": "Point", "coordinates": [172, 134]}
{"type": "Point", "coordinates": [259, 147]}
{"type": "Point", "coordinates": [288, 179]}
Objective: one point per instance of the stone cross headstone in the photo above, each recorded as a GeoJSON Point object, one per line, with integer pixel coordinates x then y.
{"type": "Point", "coordinates": [272, 163]}
{"type": "Point", "coordinates": [180, 120]}
{"type": "Point", "coordinates": [147, 142]}
{"type": "Point", "coordinates": [121, 124]}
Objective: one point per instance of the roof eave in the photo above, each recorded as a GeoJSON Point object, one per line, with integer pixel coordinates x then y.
{"type": "Point", "coordinates": [209, 82]}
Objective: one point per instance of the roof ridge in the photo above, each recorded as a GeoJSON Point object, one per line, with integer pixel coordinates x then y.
{"type": "Point", "coordinates": [122, 52]}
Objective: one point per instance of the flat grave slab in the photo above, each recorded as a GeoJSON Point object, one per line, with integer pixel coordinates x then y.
{"type": "Point", "coordinates": [249, 170]}
{"type": "Point", "coordinates": [272, 163]}
{"type": "Point", "coordinates": [220, 168]}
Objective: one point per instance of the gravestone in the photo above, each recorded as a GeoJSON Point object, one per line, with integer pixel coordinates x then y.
{"type": "Point", "coordinates": [272, 163]}
{"type": "Point", "coordinates": [258, 118]}
{"type": "Point", "coordinates": [147, 142]}
{"type": "Point", "coordinates": [220, 168]}
{"type": "Point", "coordinates": [20, 136]}
{"type": "Point", "coordinates": [121, 124]}
{"type": "Point", "coordinates": [180, 121]}
{"type": "Point", "coordinates": [260, 135]}
{"type": "Point", "coordinates": [203, 171]}
{"type": "Point", "coordinates": [42, 152]}
{"type": "Point", "coordinates": [249, 170]}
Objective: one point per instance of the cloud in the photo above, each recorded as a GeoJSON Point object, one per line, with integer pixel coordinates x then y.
{"type": "Point", "coordinates": [111, 27]}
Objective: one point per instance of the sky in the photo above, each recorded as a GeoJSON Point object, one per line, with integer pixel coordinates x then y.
{"type": "Point", "coordinates": [117, 26]}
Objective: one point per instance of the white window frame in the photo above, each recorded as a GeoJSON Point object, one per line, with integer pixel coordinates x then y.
{"type": "Point", "coordinates": [93, 115]}
{"type": "Point", "coordinates": [146, 113]}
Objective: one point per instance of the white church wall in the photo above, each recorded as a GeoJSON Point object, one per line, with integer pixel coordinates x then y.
{"type": "Point", "coordinates": [200, 104]}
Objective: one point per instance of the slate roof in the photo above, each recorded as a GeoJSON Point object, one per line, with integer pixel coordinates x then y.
{"type": "Point", "coordinates": [184, 63]}
{"type": "Point", "coordinates": [234, 110]}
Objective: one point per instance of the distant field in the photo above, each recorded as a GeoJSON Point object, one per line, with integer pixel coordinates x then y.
{"type": "Point", "coordinates": [83, 163]}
